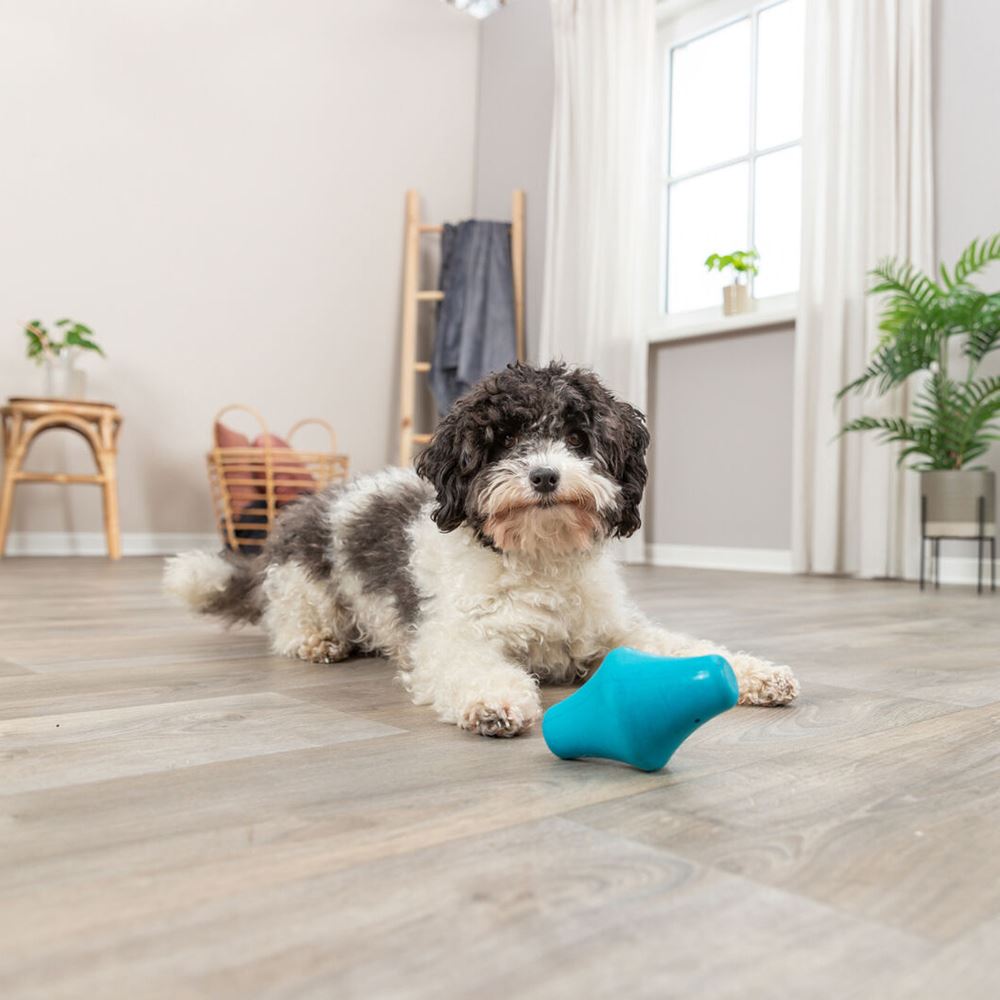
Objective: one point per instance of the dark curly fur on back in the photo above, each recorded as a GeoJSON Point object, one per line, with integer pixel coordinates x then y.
{"type": "Point", "coordinates": [532, 405]}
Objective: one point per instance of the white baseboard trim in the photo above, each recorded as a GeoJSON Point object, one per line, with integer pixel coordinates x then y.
{"type": "Point", "coordinates": [958, 570]}
{"type": "Point", "coordinates": [955, 570]}
{"type": "Point", "coordinates": [92, 543]}
{"type": "Point", "coordinates": [713, 557]}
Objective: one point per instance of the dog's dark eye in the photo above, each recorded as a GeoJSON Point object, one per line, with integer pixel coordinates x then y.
{"type": "Point", "coordinates": [574, 439]}
{"type": "Point", "coordinates": [509, 440]}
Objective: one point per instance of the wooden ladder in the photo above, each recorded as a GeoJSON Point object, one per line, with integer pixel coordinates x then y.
{"type": "Point", "coordinates": [413, 295]}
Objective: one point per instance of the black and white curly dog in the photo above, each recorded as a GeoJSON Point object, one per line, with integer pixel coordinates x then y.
{"type": "Point", "coordinates": [480, 574]}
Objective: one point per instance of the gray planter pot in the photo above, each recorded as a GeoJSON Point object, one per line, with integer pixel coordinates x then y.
{"type": "Point", "coordinates": [950, 503]}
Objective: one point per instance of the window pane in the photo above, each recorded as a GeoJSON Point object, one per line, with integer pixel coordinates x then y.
{"type": "Point", "coordinates": [709, 103]}
{"type": "Point", "coordinates": [778, 221]}
{"type": "Point", "coordinates": [708, 214]}
{"type": "Point", "coordinates": [780, 69]}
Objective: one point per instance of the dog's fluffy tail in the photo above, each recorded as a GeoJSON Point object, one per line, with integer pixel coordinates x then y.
{"type": "Point", "coordinates": [225, 585]}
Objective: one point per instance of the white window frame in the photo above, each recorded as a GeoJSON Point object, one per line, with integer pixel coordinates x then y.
{"type": "Point", "coordinates": [680, 23]}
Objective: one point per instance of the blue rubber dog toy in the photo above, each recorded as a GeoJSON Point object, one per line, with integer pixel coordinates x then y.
{"type": "Point", "coordinates": [639, 708]}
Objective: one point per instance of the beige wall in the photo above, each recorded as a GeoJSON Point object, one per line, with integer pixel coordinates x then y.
{"type": "Point", "coordinates": [967, 144]}
{"type": "Point", "coordinates": [217, 189]}
{"type": "Point", "coordinates": [190, 176]}
{"type": "Point", "coordinates": [515, 118]}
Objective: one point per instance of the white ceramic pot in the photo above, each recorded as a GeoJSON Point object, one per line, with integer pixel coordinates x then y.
{"type": "Point", "coordinates": [63, 380]}
{"type": "Point", "coordinates": [736, 299]}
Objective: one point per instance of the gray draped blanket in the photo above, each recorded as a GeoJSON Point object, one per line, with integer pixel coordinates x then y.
{"type": "Point", "coordinates": [475, 329]}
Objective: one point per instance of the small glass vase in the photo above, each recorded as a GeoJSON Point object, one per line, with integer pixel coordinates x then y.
{"type": "Point", "coordinates": [62, 379]}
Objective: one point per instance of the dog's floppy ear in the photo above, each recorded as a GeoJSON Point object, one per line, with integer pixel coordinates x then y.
{"type": "Point", "coordinates": [627, 442]}
{"type": "Point", "coordinates": [621, 440]}
{"type": "Point", "coordinates": [450, 462]}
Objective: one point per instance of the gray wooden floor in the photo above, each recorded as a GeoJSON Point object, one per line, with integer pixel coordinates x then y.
{"type": "Point", "coordinates": [182, 814]}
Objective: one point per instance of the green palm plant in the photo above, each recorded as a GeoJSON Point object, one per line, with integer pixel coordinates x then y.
{"type": "Point", "coordinates": [925, 324]}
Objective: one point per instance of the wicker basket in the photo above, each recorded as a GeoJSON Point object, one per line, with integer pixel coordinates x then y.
{"type": "Point", "coordinates": [250, 485]}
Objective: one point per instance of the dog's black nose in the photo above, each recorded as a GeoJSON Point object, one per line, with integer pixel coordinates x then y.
{"type": "Point", "coordinates": [544, 479]}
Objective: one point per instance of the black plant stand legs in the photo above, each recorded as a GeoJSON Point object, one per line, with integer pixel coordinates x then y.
{"type": "Point", "coordinates": [981, 539]}
{"type": "Point", "coordinates": [923, 553]}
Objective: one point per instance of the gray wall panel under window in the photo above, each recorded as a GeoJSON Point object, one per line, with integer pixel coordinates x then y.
{"type": "Point", "coordinates": [721, 422]}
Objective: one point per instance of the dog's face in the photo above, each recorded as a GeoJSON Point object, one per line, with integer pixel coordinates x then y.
{"type": "Point", "coordinates": [539, 460]}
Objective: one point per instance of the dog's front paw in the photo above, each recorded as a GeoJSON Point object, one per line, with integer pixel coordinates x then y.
{"type": "Point", "coordinates": [763, 683]}
{"type": "Point", "coordinates": [318, 649]}
{"type": "Point", "coordinates": [502, 716]}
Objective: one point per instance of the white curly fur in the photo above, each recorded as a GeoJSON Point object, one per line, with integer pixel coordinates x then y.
{"type": "Point", "coordinates": [301, 616]}
{"type": "Point", "coordinates": [492, 625]}
{"type": "Point", "coordinates": [196, 577]}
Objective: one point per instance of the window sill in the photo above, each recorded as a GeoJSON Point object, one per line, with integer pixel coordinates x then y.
{"type": "Point", "coordinates": [777, 311]}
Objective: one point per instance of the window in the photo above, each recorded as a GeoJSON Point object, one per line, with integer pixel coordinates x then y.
{"type": "Point", "coordinates": [733, 154]}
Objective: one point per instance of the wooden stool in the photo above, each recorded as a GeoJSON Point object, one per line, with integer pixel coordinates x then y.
{"type": "Point", "coordinates": [98, 423]}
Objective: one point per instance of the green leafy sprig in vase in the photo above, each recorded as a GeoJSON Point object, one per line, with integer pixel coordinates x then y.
{"type": "Point", "coordinates": [743, 264]}
{"type": "Point", "coordinates": [58, 350]}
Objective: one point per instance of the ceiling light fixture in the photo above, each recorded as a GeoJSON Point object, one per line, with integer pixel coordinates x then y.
{"type": "Point", "coordinates": [477, 8]}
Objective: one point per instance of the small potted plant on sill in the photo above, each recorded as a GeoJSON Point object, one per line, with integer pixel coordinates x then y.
{"type": "Point", "coordinates": [931, 327]}
{"type": "Point", "coordinates": [63, 380]}
{"type": "Point", "coordinates": [736, 295]}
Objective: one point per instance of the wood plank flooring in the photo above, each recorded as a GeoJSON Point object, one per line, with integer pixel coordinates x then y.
{"type": "Point", "coordinates": [184, 815]}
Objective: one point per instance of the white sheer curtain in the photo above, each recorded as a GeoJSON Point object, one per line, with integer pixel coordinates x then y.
{"type": "Point", "coordinates": [596, 258]}
{"type": "Point", "coordinates": [867, 193]}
